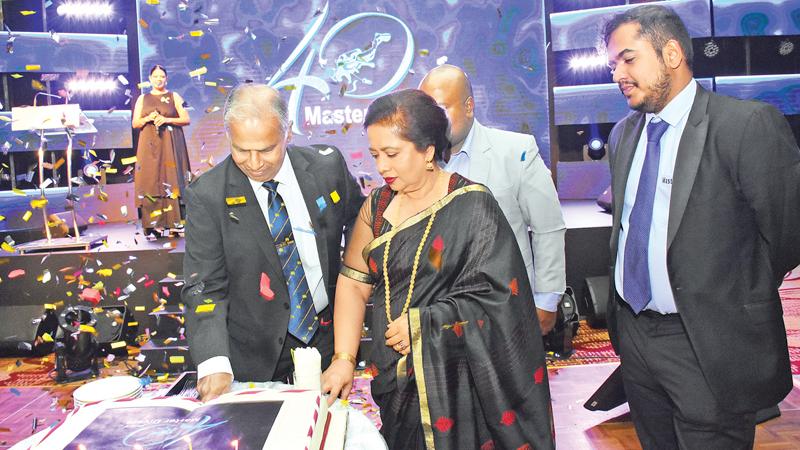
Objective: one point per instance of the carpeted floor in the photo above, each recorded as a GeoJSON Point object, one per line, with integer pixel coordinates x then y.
{"type": "Point", "coordinates": [592, 345]}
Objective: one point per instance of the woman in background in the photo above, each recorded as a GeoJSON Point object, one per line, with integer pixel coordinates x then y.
{"type": "Point", "coordinates": [162, 162]}
{"type": "Point", "coordinates": [461, 364]}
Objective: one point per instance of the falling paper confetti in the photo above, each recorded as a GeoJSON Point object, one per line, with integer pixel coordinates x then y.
{"type": "Point", "coordinates": [16, 273]}
{"type": "Point", "coordinates": [90, 295]}
{"type": "Point", "coordinates": [197, 72]}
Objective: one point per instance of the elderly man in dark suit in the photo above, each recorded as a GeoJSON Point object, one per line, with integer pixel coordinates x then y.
{"type": "Point", "coordinates": [706, 218]}
{"type": "Point", "coordinates": [263, 235]}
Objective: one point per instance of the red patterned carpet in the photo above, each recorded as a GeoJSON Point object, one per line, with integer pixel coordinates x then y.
{"type": "Point", "coordinates": [592, 346]}
{"type": "Point", "coordinates": [790, 297]}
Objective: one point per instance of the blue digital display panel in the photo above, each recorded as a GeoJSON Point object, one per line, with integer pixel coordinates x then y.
{"type": "Point", "coordinates": [331, 59]}
{"type": "Point", "coordinates": [583, 29]}
{"type": "Point", "coordinates": [759, 18]}
{"type": "Point", "coordinates": [781, 91]}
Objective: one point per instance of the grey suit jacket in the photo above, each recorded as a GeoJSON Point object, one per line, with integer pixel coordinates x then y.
{"type": "Point", "coordinates": [229, 246]}
{"type": "Point", "coordinates": [732, 235]}
{"type": "Point", "coordinates": [526, 194]}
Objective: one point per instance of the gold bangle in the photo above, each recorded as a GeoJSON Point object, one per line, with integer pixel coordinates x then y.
{"type": "Point", "coordinates": [356, 275]}
{"type": "Point", "coordinates": [344, 355]}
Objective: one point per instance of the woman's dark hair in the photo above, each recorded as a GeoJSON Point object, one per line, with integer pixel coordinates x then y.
{"type": "Point", "coordinates": [158, 67]}
{"type": "Point", "coordinates": [415, 117]}
{"type": "Point", "coordinates": [657, 24]}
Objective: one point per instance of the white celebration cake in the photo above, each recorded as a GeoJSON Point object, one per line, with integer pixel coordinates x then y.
{"type": "Point", "coordinates": [258, 418]}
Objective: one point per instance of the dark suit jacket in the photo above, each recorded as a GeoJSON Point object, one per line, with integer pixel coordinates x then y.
{"type": "Point", "coordinates": [229, 246]}
{"type": "Point", "coordinates": [733, 233]}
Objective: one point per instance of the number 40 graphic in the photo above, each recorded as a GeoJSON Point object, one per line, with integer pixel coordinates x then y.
{"type": "Point", "coordinates": [348, 64]}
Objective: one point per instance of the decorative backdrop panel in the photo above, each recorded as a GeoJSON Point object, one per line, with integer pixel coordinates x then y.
{"type": "Point", "coordinates": [332, 58]}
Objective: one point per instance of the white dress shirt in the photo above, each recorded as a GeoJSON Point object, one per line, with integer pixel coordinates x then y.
{"type": "Point", "coordinates": [304, 238]}
{"type": "Point", "coordinates": [459, 161]}
{"type": "Point", "coordinates": [676, 113]}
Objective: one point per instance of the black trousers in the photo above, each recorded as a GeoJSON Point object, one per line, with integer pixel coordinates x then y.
{"type": "Point", "coordinates": [322, 340]}
{"type": "Point", "coordinates": [671, 405]}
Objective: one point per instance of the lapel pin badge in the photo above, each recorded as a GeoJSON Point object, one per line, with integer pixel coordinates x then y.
{"type": "Point", "coordinates": [321, 203]}
{"type": "Point", "coordinates": [233, 201]}
{"type": "Point", "coordinates": [233, 216]}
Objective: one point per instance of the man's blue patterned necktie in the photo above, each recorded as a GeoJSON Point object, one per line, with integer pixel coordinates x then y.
{"type": "Point", "coordinates": [302, 315]}
{"type": "Point", "coordinates": [636, 277]}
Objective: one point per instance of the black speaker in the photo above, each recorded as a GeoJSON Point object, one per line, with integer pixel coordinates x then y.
{"type": "Point", "coordinates": [595, 298]}
{"type": "Point", "coordinates": [610, 394]}
{"type": "Point", "coordinates": [606, 200]}
{"type": "Point", "coordinates": [115, 328]}
{"type": "Point", "coordinates": [558, 341]}
{"type": "Point", "coordinates": [27, 330]}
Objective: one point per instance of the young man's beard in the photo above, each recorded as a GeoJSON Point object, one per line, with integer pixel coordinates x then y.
{"type": "Point", "coordinates": [656, 99]}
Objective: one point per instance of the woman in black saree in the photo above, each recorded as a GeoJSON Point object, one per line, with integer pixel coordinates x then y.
{"type": "Point", "coordinates": [463, 364]}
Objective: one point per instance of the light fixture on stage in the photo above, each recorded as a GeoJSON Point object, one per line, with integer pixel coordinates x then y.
{"type": "Point", "coordinates": [786, 47]}
{"type": "Point", "coordinates": [587, 62]}
{"type": "Point", "coordinates": [91, 86]}
{"type": "Point", "coordinates": [711, 49]}
{"type": "Point", "coordinates": [85, 10]}
{"type": "Point", "coordinates": [76, 354]}
{"type": "Point", "coordinates": [596, 148]}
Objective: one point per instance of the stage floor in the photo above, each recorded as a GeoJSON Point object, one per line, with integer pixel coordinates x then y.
{"type": "Point", "coordinates": [576, 428]}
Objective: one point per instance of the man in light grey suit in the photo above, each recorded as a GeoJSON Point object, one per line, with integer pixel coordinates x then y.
{"type": "Point", "coordinates": [509, 164]}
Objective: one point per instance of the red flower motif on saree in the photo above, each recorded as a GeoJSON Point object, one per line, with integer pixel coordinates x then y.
{"type": "Point", "coordinates": [514, 286]}
{"type": "Point", "coordinates": [373, 266]}
{"type": "Point", "coordinates": [457, 327]}
{"type": "Point", "coordinates": [538, 376]}
{"type": "Point", "coordinates": [444, 424]}
{"type": "Point", "coordinates": [480, 323]}
{"type": "Point", "coordinates": [509, 417]}
{"type": "Point", "coordinates": [371, 370]}
{"type": "Point", "coordinates": [435, 254]}
{"type": "Point", "coordinates": [488, 445]}
{"type": "Point", "coordinates": [525, 446]}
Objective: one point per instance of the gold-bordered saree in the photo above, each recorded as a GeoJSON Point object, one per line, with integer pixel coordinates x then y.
{"type": "Point", "coordinates": [476, 376]}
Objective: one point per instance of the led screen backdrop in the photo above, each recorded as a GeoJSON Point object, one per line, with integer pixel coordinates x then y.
{"type": "Point", "coordinates": [331, 58]}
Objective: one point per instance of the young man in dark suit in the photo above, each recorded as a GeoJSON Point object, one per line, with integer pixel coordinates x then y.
{"type": "Point", "coordinates": [706, 212]}
{"type": "Point", "coordinates": [263, 235]}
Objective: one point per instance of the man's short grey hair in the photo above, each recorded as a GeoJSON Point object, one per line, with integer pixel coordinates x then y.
{"type": "Point", "coordinates": [255, 101]}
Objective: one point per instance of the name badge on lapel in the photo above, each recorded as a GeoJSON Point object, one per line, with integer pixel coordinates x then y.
{"type": "Point", "coordinates": [234, 201]}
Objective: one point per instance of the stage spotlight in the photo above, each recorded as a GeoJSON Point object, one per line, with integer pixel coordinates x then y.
{"type": "Point", "coordinates": [596, 148]}
{"type": "Point", "coordinates": [587, 62]}
{"type": "Point", "coordinates": [711, 49]}
{"type": "Point", "coordinates": [89, 10]}
{"type": "Point", "coordinates": [91, 85]}
{"type": "Point", "coordinates": [786, 47]}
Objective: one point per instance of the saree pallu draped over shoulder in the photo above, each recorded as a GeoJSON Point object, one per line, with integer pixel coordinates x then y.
{"type": "Point", "coordinates": [476, 375]}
